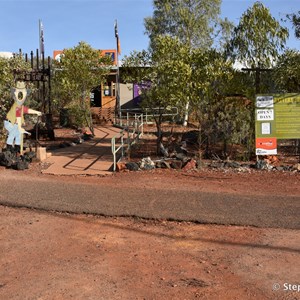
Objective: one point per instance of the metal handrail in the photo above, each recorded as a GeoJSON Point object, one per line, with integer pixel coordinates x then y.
{"type": "Point", "coordinates": [121, 147]}
{"type": "Point", "coordinates": [136, 131]}
{"type": "Point", "coordinates": [130, 114]}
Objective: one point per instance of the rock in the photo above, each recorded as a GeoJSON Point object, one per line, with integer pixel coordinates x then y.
{"type": "Point", "coordinates": [261, 165]}
{"type": "Point", "coordinates": [147, 164]}
{"type": "Point", "coordinates": [163, 150]}
{"type": "Point", "coordinates": [279, 168]}
{"type": "Point", "coordinates": [190, 165]}
{"type": "Point", "coordinates": [120, 166]}
{"type": "Point", "coordinates": [21, 165]}
{"type": "Point", "coordinates": [79, 140]}
{"type": "Point", "coordinates": [247, 166]}
{"type": "Point", "coordinates": [181, 149]}
{"type": "Point", "coordinates": [132, 166]}
{"type": "Point", "coordinates": [287, 168]}
{"type": "Point", "coordinates": [7, 158]}
{"type": "Point", "coordinates": [232, 164]}
{"type": "Point", "coordinates": [271, 159]}
{"type": "Point", "coordinates": [172, 154]}
{"type": "Point", "coordinates": [181, 156]}
{"type": "Point", "coordinates": [29, 156]}
{"type": "Point", "coordinates": [217, 164]}
{"type": "Point", "coordinates": [158, 164]}
{"type": "Point", "coordinates": [296, 167]}
{"type": "Point", "coordinates": [163, 165]}
{"type": "Point", "coordinates": [176, 164]}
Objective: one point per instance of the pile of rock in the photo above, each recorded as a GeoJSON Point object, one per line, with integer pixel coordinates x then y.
{"type": "Point", "coordinates": [148, 164]}
{"type": "Point", "coordinates": [10, 158]}
{"type": "Point", "coordinates": [187, 164]}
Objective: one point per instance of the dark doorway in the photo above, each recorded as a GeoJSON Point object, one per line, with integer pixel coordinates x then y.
{"type": "Point", "coordinates": [96, 100]}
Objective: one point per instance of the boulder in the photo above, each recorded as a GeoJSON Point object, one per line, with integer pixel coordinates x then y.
{"type": "Point", "coordinates": [176, 164]}
{"type": "Point", "coordinates": [181, 156]}
{"type": "Point", "coordinates": [120, 166]}
{"type": "Point", "coordinates": [132, 166]}
{"type": "Point", "coordinates": [232, 164]}
{"type": "Point", "coordinates": [147, 164]}
{"type": "Point", "coordinates": [190, 165]}
{"type": "Point", "coordinates": [296, 167]}
{"type": "Point", "coordinates": [261, 165]}
{"type": "Point", "coordinates": [162, 164]}
{"type": "Point", "coordinates": [217, 164]}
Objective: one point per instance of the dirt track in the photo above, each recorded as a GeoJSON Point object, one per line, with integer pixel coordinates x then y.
{"type": "Point", "coordinates": [259, 199]}
{"type": "Point", "coordinates": [62, 256]}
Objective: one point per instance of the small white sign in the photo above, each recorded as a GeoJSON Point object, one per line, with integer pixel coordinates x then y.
{"type": "Point", "coordinates": [264, 101]}
{"type": "Point", "coordinates": [266, 151]}
{"type": "Point", "coordinates": [265, 114]}
{"type": "Point", "coordinates": [265, 128]}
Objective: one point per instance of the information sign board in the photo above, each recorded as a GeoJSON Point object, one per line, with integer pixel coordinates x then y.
{"type": "Point", "coordinates": [277, 116]}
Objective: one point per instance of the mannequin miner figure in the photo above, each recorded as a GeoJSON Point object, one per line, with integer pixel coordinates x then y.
{"type": "Point", "coordinates": [15, 118]}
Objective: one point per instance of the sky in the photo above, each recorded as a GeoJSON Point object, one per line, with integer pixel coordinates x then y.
{"type": "Point", "coordinates": [67, 22]}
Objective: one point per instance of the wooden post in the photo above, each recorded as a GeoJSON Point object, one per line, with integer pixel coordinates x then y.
{"type": "Point", "coordinates": [257, 71]}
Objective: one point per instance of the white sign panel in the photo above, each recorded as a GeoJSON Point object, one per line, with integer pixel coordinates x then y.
{"type": "Point", "coordinates": [264, 101]}
{"type": "Point", "coordinates": [265, 114]}
{"type": "Point", "coordinates": [266, 151]}
{"type": "Point", "coordinates": [265, 128]}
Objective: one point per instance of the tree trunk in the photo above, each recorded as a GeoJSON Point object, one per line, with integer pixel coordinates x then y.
{"type": "Point", "coordinates": [158, 122]}
{"type": "Point", "coordinates": [87, 114]}
{"type": "Point", "coordinates": [199, 141]}
{"type": "Point", "coordinates": [186, 114]}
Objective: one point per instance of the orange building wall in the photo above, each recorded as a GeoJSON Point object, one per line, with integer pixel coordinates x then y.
{"type": "Point", "coordinates": [113, 52]}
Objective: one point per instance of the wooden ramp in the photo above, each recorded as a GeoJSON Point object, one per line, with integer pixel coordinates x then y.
{"type": "Point", "coordinates": [92, 157]}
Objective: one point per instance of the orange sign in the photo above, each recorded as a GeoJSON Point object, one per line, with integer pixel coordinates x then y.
{"type": "Point", "coordinates": [266, 146]}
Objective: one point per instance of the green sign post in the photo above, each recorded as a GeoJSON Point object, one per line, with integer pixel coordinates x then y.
{"type": "Point", "coordinates": [277, 116]}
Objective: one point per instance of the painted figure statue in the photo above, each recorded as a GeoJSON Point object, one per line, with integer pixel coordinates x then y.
{"type": "Point", "coordinates": [15, 118]}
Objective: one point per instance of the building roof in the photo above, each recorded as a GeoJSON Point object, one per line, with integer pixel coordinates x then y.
{"type": "Point", "coordinates": [6, 54]}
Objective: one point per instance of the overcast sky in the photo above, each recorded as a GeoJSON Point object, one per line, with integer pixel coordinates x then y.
{"type": "Point", "coordinates": [67, 22]}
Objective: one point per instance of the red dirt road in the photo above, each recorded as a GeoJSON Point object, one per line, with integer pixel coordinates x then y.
{"type": "Point", "coordinates": [59, 256]}
{"type": "Point", "coordinates": [48, 255]}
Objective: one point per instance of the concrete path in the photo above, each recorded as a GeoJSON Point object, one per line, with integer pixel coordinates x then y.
{"type": "Point", "coordinates": [92, 157]}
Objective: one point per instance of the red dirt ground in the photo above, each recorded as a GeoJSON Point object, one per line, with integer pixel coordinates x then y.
{"type": "Point", "coordinates": [59, 256]}
{"type": "Point", "coordinates": [48, 255]}
{"type": "Point", "coordinates": [62, 256]}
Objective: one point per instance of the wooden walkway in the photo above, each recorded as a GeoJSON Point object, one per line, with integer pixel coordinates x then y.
{"type": "Point", "coordinates": [92, 157]}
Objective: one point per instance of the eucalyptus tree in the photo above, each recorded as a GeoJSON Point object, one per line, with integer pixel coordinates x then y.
{"type": "Point", "coordinates": [258, 39]}
{"type": "Point", "coordinates": [80, 69]}
{"type": "Point", "coordinates": [195, 23]}
{"type": "Point", "coordinates": [211, 73]}
{"type": "Point", "coordinates": [295, 19]}
{"type": "Point", "coordinates": [165, 73]}
{"type": "Point", "coordinates": [287, 72]}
